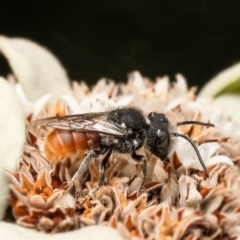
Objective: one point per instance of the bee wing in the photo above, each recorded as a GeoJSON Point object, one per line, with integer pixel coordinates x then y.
{"type": "Point", "coordinates": [87, 122]}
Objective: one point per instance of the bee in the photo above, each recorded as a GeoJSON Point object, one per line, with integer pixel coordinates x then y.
{"type": "Point", "coordinates": [123, 131]}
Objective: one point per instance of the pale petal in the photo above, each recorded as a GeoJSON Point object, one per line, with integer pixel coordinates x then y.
{"type": "Point", "coordinates": [218, 159]}
{"type": "Point", "coordinates": [124, 101]}
{"type": "Point", "coordinates": [12, 137]}
{"type": "Point", "coordinates": [103, 88]}
{"type": "Point", "coordinates": [209, 149]}
{"type": "Point", "coordinates": [181, 85]}
{"type": "Point", "coordinates": [230, 105]}
{"type": "Point", "coordinates": [85, 105]}
{"type": "Point", "coordinates": [137, 80]}
{"type": "Point", "coordinates": [154, 105]}
{"type": "Point", "coordinates": [220, 83]}
{"type": "Point", "coordinates": [174, 103]}
{"type": "Point", "coordinates": [38, 71]}
{"type": "Point", "coordinates": [161, 86]}
{"type": "Point", "coordinates": [216, 116]}
{"type": "Point", "coordinates": [184, 151]}
{"type": "Point", "coordinates": [65, 201]}
{"type": "Point", "coordinates": [39, 105]}
{"type": "Point", "coordinates": [27, 105]}
{"type": "Point", "coordinates": [189, 159]}
{"type": "Point", "coordinates": [71, 102]}
{"type": "Point", "coordinates": [11, 231]}
{"type": "Point", "coordinates": [230, 128]}
{"type": "Point", "coordinates": [191, 108]}
{"type": "Point", "coordinates": [37, 201]}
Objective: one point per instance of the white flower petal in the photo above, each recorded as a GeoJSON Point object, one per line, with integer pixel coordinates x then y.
{"type": "Point", "coordinates": [181, 84]}
{"type": "Point", "coordinates": [185, 151]}
{"type": "Point", "coordinates": [124, 101]}
{"type": "Point", "coordinates": [11, 231]}
{"type": "Point", "coordinates": [20, 92]}
{"type": "Point", "coordinates": [229, 103]}
{"type": "Point", "coordinates": [12, 137]}
{"type": "Point", "coordinates": [38, 71]}
{"type": "Point", "coordinates": [224, 79]}
{"type": "Point", "coordinates": [26, 104]}
{"type": "Point", "coordinates": [189, 159]}
{"type": "Point", "coordinates": [231, 129]}
{"type": "Point", "coordinates": [65, 201]}
{"type": "Point", "coordinates": [154, 105]}
{"type": "Point", "coordinates": [40, 104]}
{"type": "Point", "coordinates": [137, 80]}
{"type": "Point", "coordinates": [85, 105]}
{"type": "Point", "coordinates": [191, 108]}
{"type": "Point", "coordinates": [161, 86]}
{"type": "Point", "coordinates": [208, 149]}
{"type": "Point", "coordinates": [218, 159]}
{"type": "Point", "coordinates": [216, 116]}
{"type": "Point", "coordinates": [71, 102]}
{"type": "Point", "coordinates": [174, 103]}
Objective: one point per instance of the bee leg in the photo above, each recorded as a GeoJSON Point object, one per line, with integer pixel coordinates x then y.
{"type": "Point", "coordinates": [140, 158]}
{"type": "Point", "coordinates": [102, 172]}
{"type": "Point", "coordinates": [84, 165]}
{"type": "Point", "coordinates": [103, 169]}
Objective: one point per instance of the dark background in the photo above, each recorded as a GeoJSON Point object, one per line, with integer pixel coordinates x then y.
{"type": "Point", "coordinates": [106, 39]}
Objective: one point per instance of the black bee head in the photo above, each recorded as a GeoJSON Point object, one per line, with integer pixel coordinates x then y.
{"type": "Point", "coordinates": [158, 137]}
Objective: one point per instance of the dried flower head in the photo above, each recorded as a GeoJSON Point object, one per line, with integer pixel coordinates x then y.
{"type": "Point", "coordinates": [178, 200]}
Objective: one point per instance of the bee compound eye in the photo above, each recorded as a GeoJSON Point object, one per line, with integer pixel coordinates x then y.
{"type": "Point", "coordinates": [162, 144]}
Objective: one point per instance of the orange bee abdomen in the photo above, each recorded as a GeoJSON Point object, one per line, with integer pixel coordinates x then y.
{"type": "Point", "coordinates": [61, 143]}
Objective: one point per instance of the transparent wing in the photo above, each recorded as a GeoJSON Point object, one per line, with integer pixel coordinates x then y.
{"type": "Point", "coordinates": [87, 122]}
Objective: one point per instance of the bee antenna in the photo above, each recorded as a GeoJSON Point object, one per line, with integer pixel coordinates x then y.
{"type": "Point", "coordinates": [195, 148]}
{"type": "Point", "coordinates": [196, 123]}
